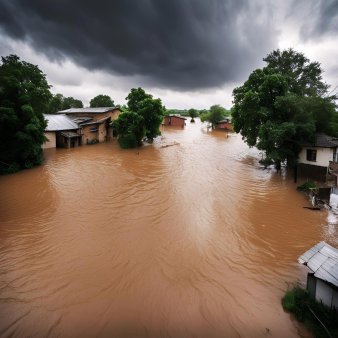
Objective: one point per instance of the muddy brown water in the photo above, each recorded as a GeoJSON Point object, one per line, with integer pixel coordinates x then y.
{"type": "Point", "coordinates": [190, 240]}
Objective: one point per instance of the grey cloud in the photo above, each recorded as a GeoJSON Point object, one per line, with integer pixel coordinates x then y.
{"type": "Point", "coordinates": [180, 44]}
{"type": "Point", "coordinates": [322, 19]}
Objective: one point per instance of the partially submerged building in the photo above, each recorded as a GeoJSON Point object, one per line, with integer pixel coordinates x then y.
{"type": "Point", "coordinates": [315, 158]}
{"type": "Point", "coordinates": [224, 125]}
{"type": "Point", "coordinates": [174, 120]}
{"type": "Point", "coordinates": [94, 122]}
{"type": "Point", "coordinates": [62, 132]}
{"type": "Point", "coordinates": [322, 279]}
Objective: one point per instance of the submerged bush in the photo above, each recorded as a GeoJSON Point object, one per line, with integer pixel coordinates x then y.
{"type": "Point", "coordinates": [128, 141]}
{"type": "Point", "coordinates": [298, 302]}
{"type": "Point", "coordinates": [307, 186]}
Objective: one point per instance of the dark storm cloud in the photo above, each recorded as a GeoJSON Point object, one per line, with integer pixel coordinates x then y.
{"type": "Point", "coordinates": [323, 19]}
{"type": "Point", "coordinates": [182, 44]}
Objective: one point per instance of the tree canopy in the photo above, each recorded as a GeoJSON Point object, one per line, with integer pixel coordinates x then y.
{"type": "Point", "coordinates": [150, 112]}
{"type": "Point", "coordinates": [58, 102]}
{"type": "Point", "coordinates": [192, 113]}
{"type": "Point", "coordinates": [215, 114]}
{"type": "Point", "coordinates": [101, 101]}
{"type": "Point", "coordinates": [130, 129]}
{"type": "Point", "coordinates": [24, 97]}
{"type": "Point", "coordinates": [282, 105]}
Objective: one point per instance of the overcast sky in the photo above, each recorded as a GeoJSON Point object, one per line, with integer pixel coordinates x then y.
{"type": "Point", "coordinates": [190, 53]}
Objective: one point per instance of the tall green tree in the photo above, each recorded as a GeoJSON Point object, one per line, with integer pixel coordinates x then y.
{"type": "Point", "coordinates": [192, 113]}
{"type": "Point", "coordinates": [58, 102]}
{"type": "Point", "coordinates": [130, 129]}
{"type": "Point", "coordinates": [215, 114]}
{"type": "Point", "coordinates": [24, 97]}
{"type": "Point", "coordinates": [150, 109]}
{"type": "Point", "coordinates": [282, 105]}
{"type": "Point", "coordinates": [101, 101]}
{"type": "Point", "coordinates": [135, 97]}
{"type": "Point", "coordinates": [70, 102]}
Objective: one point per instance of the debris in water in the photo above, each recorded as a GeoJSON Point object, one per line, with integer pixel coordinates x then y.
{"type": "Point", "coordinates": [170, 144]}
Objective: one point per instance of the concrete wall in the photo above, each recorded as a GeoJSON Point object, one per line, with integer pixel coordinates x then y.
{"type": "Point", "coordinates": [88, 135]}
{"type": "Point", "coordinates": [324, 156]}
{"type": "Point", "coordinates": [51, 143]}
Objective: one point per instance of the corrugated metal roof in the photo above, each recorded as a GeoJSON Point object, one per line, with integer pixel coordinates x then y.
{"type": "Point", "coordinates": [96, 110]}
{"type": "Point", "coordinates": [59, 122]}
{"type": "Point", "coordinates": [322, 140]}
{"type": "Point", "coordinates": [322, 259]}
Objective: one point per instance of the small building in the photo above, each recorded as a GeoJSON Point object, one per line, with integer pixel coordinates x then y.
{"type": "Point", "coordinates": [174, 120]}
{"type": "Point", "coordinates": [94, 122]}
{"type": "Point", "coordinates": [314, 158]}
{"type": "Point", "coordinates": [322, 279]}
{"type": "Point", "coordinates": [224, 125]}
{"type": "Point", "coordinates": [61, 131]}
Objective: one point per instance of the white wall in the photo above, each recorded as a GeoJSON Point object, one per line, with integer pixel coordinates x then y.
{"type": "Point", "coordinates": [51, 143]}
{"type": "Point", "coordinates": [324, 292]}
{"type": "Point", "coordinates": [324, 155]}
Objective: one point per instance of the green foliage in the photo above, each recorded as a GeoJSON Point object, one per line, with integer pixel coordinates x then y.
{"type": "Point", "coordinates": [135, 97]}
{"type": "Point", "coordinates": [151, 110]}
{"type": "Point", "coordinates": [24, 97]}
{"type": "Point", "coordinates": [101, 101]}
{"type": "Point", "coordinates": [215, 114]}
{"type": "Point", "coordinates": [130, 129]}
{"type": "Point", "coordinates": [298, 302]}
{"type": "Point", "coordinates": [70, 102]}
{"type": "Point", "coordinates": [307, 186]}
{"type": "Point", "coordinates": [192, 113]}
{"type": "Point", "coordinates": [280, 106]}
{"type": "Point", "coordinates": [58, 102]}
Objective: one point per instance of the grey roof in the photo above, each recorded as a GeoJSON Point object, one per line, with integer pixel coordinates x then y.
{"type": "Point", "coordinates": [322, 140]}
{"type": "Point", "coordinates": [59, 122]}
{"type": "Point", "coordinates": [97, 110]}
{"type": "Point", "coordinates": [322, 259]}
{"type": "Point", "coordinates": [224, 121]}
{"type": "Point", "coordinates": [177, 115]}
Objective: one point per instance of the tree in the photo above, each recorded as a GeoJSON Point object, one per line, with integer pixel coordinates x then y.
{"type": "Point", "coordinates": [282, 105]}
{"type": "Point", "coordinates": [215, 114]}
{"type": "Point", "coordinates": [192, 113]}
{"type": "Point", "coordinates": [150, 109]}
{"type": "Point", "coordinates": [56, 103]}
{"type": "Point", "coordinates": [135, 97]}
{"type": "Point", "coordinates": [102, 101]}
{"type": "Point", "coordinates": [130, 129]}
{"type": "Point", "coordinates": [70, 102]}
{"type": "Point", "coordinates": [24, 96]}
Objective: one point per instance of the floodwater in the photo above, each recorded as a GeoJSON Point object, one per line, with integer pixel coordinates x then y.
{"type": "Point", "coordinates": [190, 240]}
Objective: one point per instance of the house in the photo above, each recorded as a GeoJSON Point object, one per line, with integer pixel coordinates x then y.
{"type": "Point", "coordinates": [314, 158]}
{"type": "Point", "coordinates": [224, 125]}
{"type": "Point", "coordinates": [61, 131]}
{"type": "Point", "coordinates": [174, 120]}
{"type": "Point", "coordinates": [322, 279]}
{"type": "Point", "coordinates": [94, 122]}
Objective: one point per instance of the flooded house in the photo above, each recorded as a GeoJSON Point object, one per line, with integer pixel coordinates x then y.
{"type": "Point", "coordinates": [322, 279]}
{"type": "Point", "coordinates": [94, 122]}
{"type": "Point", "coordinates": [224, 125]}
{"type": "Point", "coordinates": [61, 132]}
{"type": "Point", "coordinates": [315, 158]}
{"type": "Point", "coordinates": [174, 120]}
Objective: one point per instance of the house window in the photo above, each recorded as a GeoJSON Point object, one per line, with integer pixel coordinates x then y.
{"type": "Point", "coordinates": [311, 155]}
